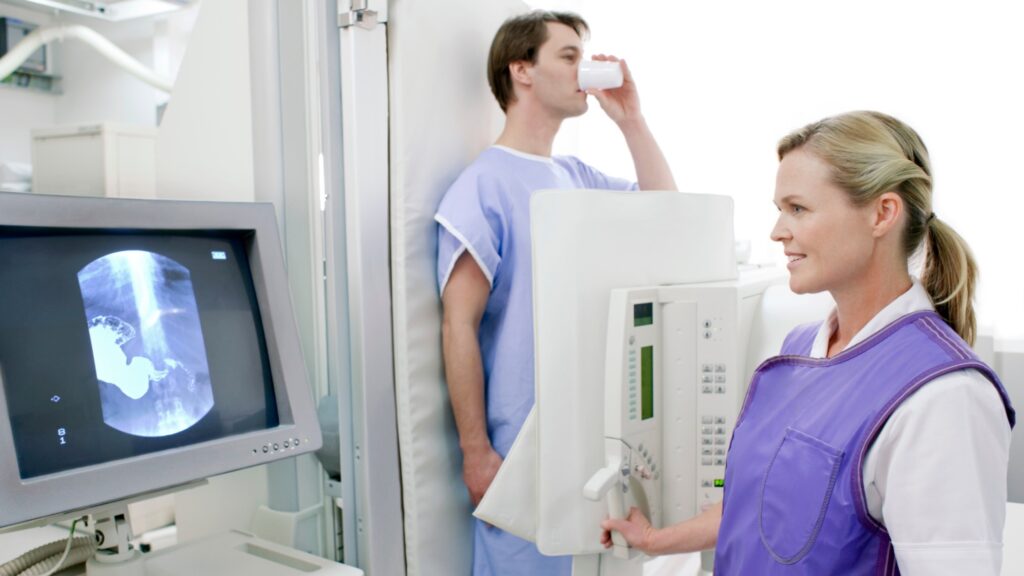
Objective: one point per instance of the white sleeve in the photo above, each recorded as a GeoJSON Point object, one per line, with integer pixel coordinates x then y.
{"type": "Point", "coordinates": [936, 477]}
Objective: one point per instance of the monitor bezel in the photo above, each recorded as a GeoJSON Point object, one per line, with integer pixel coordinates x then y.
{"type": "Point", "coordinates": [40, 499]}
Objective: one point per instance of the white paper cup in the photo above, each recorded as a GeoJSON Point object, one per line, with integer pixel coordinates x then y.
{"type": "Point", "coordinates": [599, 74]}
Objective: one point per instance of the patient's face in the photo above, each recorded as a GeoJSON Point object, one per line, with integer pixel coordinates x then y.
{"type": "Point", "coordinates": [554, 73]}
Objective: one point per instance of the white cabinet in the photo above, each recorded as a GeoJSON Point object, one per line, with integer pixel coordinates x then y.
{"type": "Point", "coordinates": [105, 159]}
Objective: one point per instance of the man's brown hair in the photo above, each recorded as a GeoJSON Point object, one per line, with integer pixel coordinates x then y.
{"type": "Point", "coordinates": [519, 39]}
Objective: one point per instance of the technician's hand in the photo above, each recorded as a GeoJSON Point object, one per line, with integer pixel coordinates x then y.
{"type": "Point", "coordinates": [478, 471]}
{"type": "Point", "coordinates": [620, 104]}
{"type": "Point", "coordinates": [635, 528]}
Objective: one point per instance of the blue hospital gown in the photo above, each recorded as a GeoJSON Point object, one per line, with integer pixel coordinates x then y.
{"type": "Point", "coordinates": [487, 212]}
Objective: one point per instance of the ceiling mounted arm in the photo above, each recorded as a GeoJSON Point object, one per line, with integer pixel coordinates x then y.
{"type": "Point", "coordinates": [45, 35]}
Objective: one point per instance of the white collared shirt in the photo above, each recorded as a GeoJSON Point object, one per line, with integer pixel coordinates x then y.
{"type": "Point", "coordinates": [936, 474]}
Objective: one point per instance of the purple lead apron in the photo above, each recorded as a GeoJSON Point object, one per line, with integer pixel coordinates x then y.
{"type": "Point", "coordinates": [794, 492]}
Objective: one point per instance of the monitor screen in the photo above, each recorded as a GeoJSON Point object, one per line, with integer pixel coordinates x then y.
{"type": "Point", "coordinates": [120, 344]}
{"type": "Point", "coordinates": [144, 345]}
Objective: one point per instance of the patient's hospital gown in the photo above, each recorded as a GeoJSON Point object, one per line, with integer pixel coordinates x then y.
{"type": "Point", "coordinates": [487, 212]}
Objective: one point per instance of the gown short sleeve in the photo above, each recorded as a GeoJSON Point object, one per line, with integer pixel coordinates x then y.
{"type": "Point", "coordinates": [470, 218]}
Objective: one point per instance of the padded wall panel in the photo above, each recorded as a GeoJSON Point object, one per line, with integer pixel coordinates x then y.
{"type": "Point", "coordinates": [442, 116]}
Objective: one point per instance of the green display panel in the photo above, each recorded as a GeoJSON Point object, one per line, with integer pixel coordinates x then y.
{"type": "Point", "coordinates": [643, 314]}
{"type": "Point", "coordinates": [647, 382]}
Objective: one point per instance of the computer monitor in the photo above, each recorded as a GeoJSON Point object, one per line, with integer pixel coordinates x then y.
{"type": "Point", "coordinates": [144, 344]}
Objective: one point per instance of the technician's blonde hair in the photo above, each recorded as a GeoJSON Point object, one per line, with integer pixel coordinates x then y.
{"type": "Point", "coordinates": [870, 154]}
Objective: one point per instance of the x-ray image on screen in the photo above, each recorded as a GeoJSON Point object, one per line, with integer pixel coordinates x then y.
{"type": "Point", "coordinates": [147, 343]}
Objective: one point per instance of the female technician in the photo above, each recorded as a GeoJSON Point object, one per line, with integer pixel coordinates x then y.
{"type": "Point", "coordinates": [877, 442]}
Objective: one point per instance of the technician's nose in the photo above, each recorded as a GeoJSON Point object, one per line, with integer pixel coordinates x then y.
{"type": "Point", "coordinates": [780, 232]}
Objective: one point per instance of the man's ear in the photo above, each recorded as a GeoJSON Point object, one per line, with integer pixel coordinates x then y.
{"type": "Point", "coordinates": [520, 72]}
{"type": "Point", "coordinates": [887, 213]}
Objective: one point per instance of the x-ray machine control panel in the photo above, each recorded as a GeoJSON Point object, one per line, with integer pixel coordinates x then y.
{"type": "Point", "coordinates": [674, 379]}
{"type": "Point", "coordinates": [632, 428]}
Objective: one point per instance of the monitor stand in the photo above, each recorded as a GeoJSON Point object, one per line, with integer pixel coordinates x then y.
{"type": "Point", "coordinates": [232, 552]}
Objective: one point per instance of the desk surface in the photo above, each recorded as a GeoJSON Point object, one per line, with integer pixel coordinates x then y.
{"type": "Point", "coordinates": [1013, 535]}
{"type": "Point", "coordinates": [14, 544]}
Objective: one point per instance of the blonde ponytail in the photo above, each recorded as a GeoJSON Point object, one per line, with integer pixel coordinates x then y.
{"type": "Point", "coordinates": [949, 276]}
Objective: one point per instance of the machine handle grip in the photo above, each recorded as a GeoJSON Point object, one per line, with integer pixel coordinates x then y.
{"type": "Point", "coordinates": [600, 486]}
{"type": "Point", "coordinates": [600, 483]}
{"type": "Point", "coordinates": [617, 509]}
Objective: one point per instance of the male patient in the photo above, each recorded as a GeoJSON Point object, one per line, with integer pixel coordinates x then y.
{"type": "Point", "coordinates": [484, 267]}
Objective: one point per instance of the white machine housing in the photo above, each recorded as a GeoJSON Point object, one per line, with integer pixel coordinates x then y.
{"type": "Point", "coordinates": [707, 334]}
{"type": "Point", "coordinates": [677, 370]}
{"type": "Point", "coordinates": [596, 254]}
{"type": "Point", "coordinates": [587, 243]}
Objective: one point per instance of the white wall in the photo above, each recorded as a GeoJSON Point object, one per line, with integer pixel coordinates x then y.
{"type": "Point", "coordinates": [97, 90]}
{"type": "Point", "coordinates": [170, 43]}
{"type": "Point", "coordinates": [721, 82]}
{"type": "Point", "coordinates": [205, 147]}
{"type": "Point", "coordinates": [22, 110]}
{"type": "Point", "coordinates": [1010, 366]}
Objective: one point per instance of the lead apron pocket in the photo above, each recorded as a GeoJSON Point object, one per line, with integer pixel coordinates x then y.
{"type": "Point", "coordinates": [795, 494]}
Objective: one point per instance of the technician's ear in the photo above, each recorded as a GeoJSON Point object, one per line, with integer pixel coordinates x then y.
{"type": "Point", "coordinates": [520, 71]}
{"type": "Point", "coordinates": [887, 214]}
